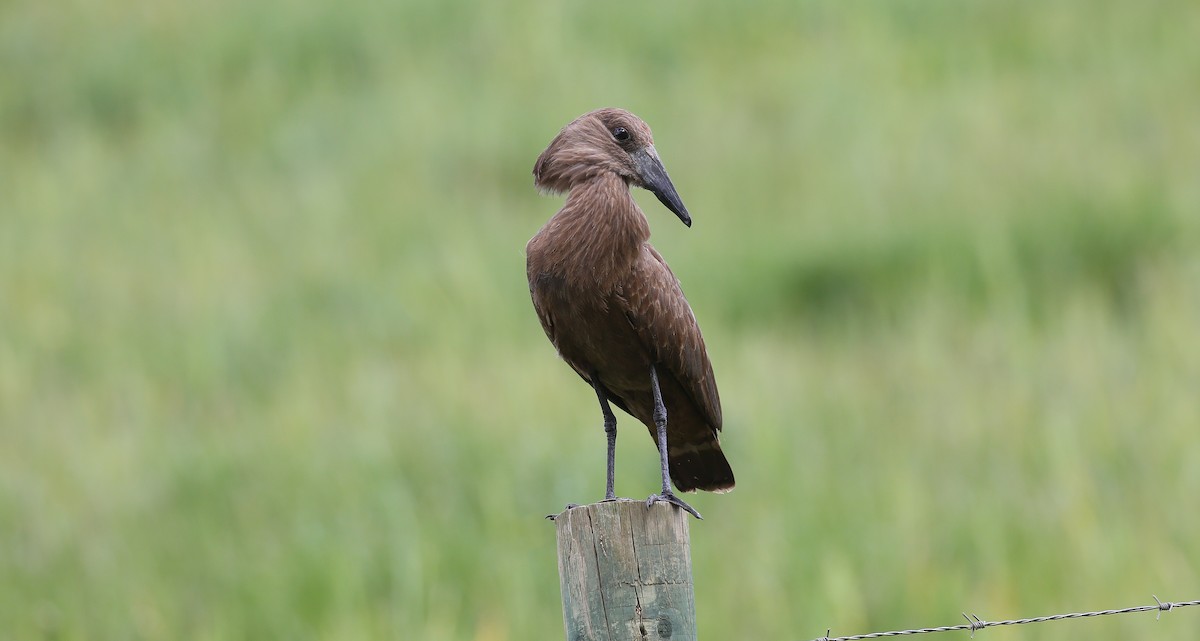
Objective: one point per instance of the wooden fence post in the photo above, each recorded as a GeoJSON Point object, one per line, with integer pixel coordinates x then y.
{"type": "Point", "coordinates": [626, 572]}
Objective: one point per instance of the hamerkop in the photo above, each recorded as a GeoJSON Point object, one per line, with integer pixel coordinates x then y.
{"type": "Point", "coordinates": [613, 308]}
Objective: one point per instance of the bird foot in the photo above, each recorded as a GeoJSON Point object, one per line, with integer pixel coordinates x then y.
{"type": "Point", "coordinates": [570, 506]}
{"type": "Point", "coordinates": [669, 497]}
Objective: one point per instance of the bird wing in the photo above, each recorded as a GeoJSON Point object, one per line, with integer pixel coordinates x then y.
{"type": "Point", "coordinates": [537, 292]}
{"type": "Point", "coordinates": [664, 322]}
{"type": "Point", "coordinates": [543, 314]}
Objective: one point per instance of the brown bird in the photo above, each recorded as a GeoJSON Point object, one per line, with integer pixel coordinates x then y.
{"type": "Point", "coordinates": [612, 307]}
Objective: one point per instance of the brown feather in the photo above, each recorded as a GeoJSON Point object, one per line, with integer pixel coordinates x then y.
{"type": "Point", "coordinates": [610, 304]}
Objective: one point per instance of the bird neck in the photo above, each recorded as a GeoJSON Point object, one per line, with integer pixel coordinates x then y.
{"type": "Point", "coordinates": [600, 230]}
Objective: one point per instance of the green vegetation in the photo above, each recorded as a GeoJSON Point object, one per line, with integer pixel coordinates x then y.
{"type": "Point", "coordinates": [268, 368]}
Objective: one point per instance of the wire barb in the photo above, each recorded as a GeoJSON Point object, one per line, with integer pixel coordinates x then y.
{"type": "Point", "coordinates": [1162, 607]}
{"type": "Point", "coordinates": [975, 624]}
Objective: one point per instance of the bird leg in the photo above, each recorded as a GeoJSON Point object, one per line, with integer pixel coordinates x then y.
{"type": "Point", "coordinates": [610, 430]}
{"type": "Point", "coordinates": [660, 423]}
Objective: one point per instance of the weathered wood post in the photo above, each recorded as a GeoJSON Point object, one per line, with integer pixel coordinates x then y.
{"type": "Point", "coordinates": [626, 572]}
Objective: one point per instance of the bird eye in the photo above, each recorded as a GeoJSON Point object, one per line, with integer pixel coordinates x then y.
{"type": "Point", "coordinates": [620, 134]}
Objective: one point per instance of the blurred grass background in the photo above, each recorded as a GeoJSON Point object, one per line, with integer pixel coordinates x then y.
{"type": "Point", "coordinates": [268, 367]}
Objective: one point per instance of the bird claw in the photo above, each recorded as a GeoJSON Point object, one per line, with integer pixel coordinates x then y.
{"type": "Point", "coordinates": [666, 497]}
{"type": "Point", "coordinates": [570, 506]}
{"type": "Point", "coordinates": [669, 497]}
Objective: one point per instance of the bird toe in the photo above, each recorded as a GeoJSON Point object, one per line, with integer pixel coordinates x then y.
{"type": "Point", "coordinates": [553, 517]}
{"type": "Point", "coordinates": [669, 497]}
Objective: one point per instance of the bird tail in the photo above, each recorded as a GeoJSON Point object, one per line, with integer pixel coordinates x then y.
{"type": "Point", "coordinates": [700, 466]}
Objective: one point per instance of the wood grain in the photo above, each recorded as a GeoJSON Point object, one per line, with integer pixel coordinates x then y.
{"type": "Point", "coordinates": [626, 573]}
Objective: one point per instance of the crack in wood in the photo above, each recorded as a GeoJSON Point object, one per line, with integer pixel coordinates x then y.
{"type": "Point", "coordinates": [599, 575]}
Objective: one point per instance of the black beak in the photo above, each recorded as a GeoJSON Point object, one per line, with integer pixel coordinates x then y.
{"type": "Point", "coordinates": [654, 177]}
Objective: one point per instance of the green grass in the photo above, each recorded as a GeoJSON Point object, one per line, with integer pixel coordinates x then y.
{"type": "Point", "coordinates": [268, 368]}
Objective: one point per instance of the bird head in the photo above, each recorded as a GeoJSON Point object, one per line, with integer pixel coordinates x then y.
{"type": "Point", "coordinates": [607, 140]}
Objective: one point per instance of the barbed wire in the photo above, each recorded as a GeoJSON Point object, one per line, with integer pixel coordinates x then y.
{"type": "Point", "coordinates": [975, 624]}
